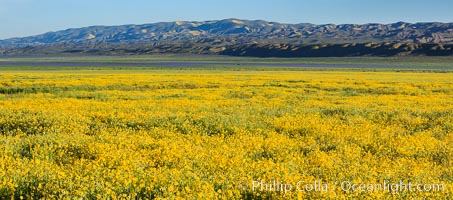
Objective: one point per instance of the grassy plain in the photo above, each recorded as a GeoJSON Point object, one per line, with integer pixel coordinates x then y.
{"type": "Point", "coordinates": [225, 132]}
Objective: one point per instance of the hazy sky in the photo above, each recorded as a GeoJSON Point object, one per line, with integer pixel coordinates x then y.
{"type": "Point", "coordinates": [29, 17]}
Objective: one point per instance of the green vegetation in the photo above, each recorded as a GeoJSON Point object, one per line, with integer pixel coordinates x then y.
{"type": "Point", "coordinates": [213, 132]}
{"type": "Point", "coordinates": [407, 63]}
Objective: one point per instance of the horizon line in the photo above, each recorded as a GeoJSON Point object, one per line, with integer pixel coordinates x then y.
{"type": "Point", "coordinates": [215, 20]}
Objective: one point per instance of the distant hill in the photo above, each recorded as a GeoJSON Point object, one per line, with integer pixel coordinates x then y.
{"type": "Point", "coordinates": [243, 38]}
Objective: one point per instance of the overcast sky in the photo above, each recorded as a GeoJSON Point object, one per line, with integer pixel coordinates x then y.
{"type": "Point", "coordinates": [30, 17]}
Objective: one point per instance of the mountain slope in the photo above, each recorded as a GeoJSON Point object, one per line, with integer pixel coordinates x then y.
{"type": "Point", "coordinates": [246, 30]}
{"type": "Point", "coordinates": [229, 35]}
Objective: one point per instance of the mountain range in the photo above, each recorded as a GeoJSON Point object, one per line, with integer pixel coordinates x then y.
{"type": "Point", "coordinates": [243, 38]}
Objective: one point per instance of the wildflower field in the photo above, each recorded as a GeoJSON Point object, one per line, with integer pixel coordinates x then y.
{"type": "Point", "coordinates": [225, 134]}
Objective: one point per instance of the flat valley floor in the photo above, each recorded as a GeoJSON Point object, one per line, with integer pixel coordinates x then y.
{"type": "Point", "coordinates": [228, 131]}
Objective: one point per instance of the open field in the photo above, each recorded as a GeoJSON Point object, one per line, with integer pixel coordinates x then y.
{"type": "Point", "coordinates": [198, 133]}
{"type": "Point", "coordinates": [391, 62]}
